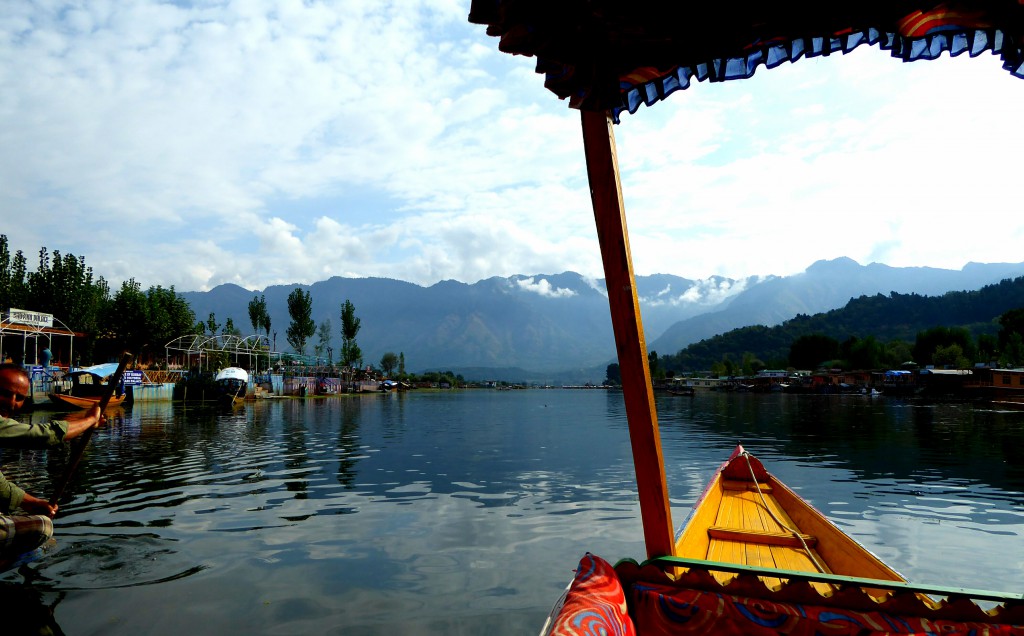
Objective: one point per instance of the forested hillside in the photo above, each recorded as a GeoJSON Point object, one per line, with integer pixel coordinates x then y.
{"type": "Point", "coordinates": [895, 321]}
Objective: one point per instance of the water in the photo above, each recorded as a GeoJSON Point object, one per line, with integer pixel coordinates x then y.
{"type": "Point", "coordinates": [465, 512]}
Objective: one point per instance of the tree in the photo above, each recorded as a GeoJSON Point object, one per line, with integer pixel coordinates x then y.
{"type": "Point", "coordinates": [230, 329]}
{"type": "Point", "coordinates": [388, 362]}
{"type": "Point", "coordinates": [401, 363]}
{"type": "Point", "coordinates": [143, 322]}
{"type": "Point", "coordinates": [929, 340]}
{"type": "Point", "coordinates": [266, 324]}
{"type": "Point", "coordinates": [211, 324]}
{"type": "Point", "coordinates": [324, 335]}
{"type": "Point", "coordinates": [861, 353]}
{"type": "Point", "coordinates": [13, 283]}
{"type": "Point", "coordinates": [170, 316]}
{"type": "Point", "coordinates": [951, 356]}
{"type": "Point", "coordinates": [988, 347]}
{"type": "Point", "coordinates": [258, 314]}
{"type": "Point", "coordinates": [1011, 322]}
{"type": "Point", "coordinates": [809, 352]}
{"type": "Point", "coordinates": [351, 355]}
{"type": "Point", "coordinates": [752, 364]}
{"type": "Point", "coordinates": [613, 375]}
{"type": "Point", "coordinates": [302, 327]}
{"type": "Point", "coordinates": [126, 318]}
{"type": "Point", "coordinates": [896, 353]}
{"type": "Point", "coordinates": [64, 286]}
{"type": "Point", "coordinates": [653, 367]}
{"type": "Point", "coordinates": [1012, 353]}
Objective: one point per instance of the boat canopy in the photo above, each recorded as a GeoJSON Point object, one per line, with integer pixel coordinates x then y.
{"type": "Point", "coordinates": [608, 55]}
{"type": "Point", "coordinates": [103, 371]}
{"type": "Point", "coordinates": [232, 373]}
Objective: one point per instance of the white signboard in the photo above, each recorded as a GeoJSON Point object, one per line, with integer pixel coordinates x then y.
{"type": "Point", "coordinates": [30, 318]}
{"type": "Point", "coordinates": [132, 378]}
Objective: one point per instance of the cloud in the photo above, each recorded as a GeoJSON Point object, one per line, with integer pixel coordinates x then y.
{"type": "Point", "coordinates": [275, 143]}
{"type": "Point", "coordinates": [544, 288]}
{"type": "Point", "coordinates": [708, 292]}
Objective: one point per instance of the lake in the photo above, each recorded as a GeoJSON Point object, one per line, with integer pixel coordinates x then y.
{"type": "Point", "coordinates": [466, 512]}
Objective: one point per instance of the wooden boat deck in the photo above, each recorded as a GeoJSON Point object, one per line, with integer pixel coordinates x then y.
{"type": "Point", "coordinates": [747, 531]}
{"type": "Point", "coordinates": [749, 518]}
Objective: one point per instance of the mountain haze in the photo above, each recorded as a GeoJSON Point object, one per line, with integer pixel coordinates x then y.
{"type": "Point", "coordinates": [825, 285]}
{"type": "Point", "coordinates": [558, 325]}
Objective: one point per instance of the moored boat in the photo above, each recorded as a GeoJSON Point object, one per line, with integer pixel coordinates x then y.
{"type": "Point", "coordinates": [232, 385]}
{"type": "Point", "coordinates": [85, 388]}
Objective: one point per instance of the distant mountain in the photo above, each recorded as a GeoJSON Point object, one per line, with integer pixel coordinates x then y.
{"type": "Point", "coordinates": [823, 286]}
{"type": "Point", "coordinates": [885, 317]}
{"type": "Point", "coordinates": [540, 323]}
{"type": "Point", "coordinates": [558, 326]}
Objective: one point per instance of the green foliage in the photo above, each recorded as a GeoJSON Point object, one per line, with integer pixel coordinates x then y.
{"type": "Point", "coordinates": [351, 355]}
{"type": "Point", "coordinates": [890, 321]}
{"type": "Point", "coordinates": [653, 367]}
{"type": "Point", "coordinates": [1012, 353]}
{"type": "Point", "coordinates": [13, 277]}
{"type": "Point", "coordinates": [862, 353]}
{"type": "Point", "coordinates": [930, 341]}
{"type": "Point", "coordinates": [442, 377]}
{"type": "Point", "coordinates": [323, 334]}
{"type": "Point", "coordinates": [951, 355]}
{"type": "Point", "coordinates": [259, 318]}
{"type": "Point", "coordinates": [1010, 323]}
{"type": "Point", "coordinates": [302, 327]}
{"type": "Point", "coordinates": [613, 375]}
{"type": "Point", "coordinates": [143, 323]}
{"type": "Point", "coordinates": [388, 362]}
{"type": "Point", "coordinates": [64, 286]}
{"type": "Point", "coordinates": [811, 351]}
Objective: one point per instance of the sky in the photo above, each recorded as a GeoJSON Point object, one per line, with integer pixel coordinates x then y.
{"type": "Point", "coordinates": [284, 142]}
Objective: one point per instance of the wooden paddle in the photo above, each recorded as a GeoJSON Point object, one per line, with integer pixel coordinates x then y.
{"type": "Point", "coordinates": [112, 383]}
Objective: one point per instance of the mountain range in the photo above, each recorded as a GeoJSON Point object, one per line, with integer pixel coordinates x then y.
{"type": "Point", "coordinates": [557, 327]}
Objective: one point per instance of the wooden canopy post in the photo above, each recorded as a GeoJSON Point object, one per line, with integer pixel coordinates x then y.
{"type": "Point", "coordinates": [610, 216]}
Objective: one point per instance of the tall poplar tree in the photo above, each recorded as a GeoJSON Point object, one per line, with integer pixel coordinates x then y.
{"type": "Point", "coordinates": [351, 355]}
{"type": "Point", "coordinates": [257, 307]}
{"type": "Point", "coordinates": [300, 308]}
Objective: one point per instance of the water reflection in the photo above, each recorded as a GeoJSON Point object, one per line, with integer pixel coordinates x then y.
{"type": "Point", "coordinates": [466, 511]}
{"type": "Point", "coordinates": [872, 437]}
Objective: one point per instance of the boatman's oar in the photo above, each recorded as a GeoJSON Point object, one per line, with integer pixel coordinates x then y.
{"type": "Point", "coordinates": [77, 455]}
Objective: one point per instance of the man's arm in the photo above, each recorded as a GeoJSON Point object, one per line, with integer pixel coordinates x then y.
{"type": "Point", "coordinates": [11, 495]}
{"type": "Point", "coordinates": [79, 423]}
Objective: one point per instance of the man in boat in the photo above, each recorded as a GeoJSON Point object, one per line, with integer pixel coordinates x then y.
{"type": "Point", "coordinates": [23, 533]}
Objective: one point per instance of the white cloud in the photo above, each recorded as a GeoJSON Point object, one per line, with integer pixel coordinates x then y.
{"type": "Point", "coordinates": [282, 142]}
{"type": "Point", "coordinates": [543, 287]}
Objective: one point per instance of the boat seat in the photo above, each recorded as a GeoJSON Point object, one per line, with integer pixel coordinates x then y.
{"type": "Point", "coordinates": [761, 537]}
{"type": "Point", "coordinates": [738, 485]}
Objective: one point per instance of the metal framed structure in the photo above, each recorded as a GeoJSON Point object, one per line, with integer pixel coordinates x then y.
{"type": "Point", "coordinates": [200, 346]}
{"type": "Point", "coordinates": [29, 325]}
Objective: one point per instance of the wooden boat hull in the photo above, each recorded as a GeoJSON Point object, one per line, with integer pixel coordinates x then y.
{"type": "Point", "coordinates": [753, 556]}
{"type": "Point", "coordinates": [746, 516]}
{"type": "Point", "coordinates": [78, 402]}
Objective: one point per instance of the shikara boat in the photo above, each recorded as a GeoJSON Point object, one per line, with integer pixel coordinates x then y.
{"type": "Point", "coordinates": [232, 385]}
{"type": "Point", "coordinates": [607, 58]}
{"type": "Point", "coordinates": [753, 557]}
{"type": "Point", "coordinates": [748, 517]}
{"type": "Point", "coordinates": [86, 387]}
{"type": "Point", "coordinates": [80, 402]}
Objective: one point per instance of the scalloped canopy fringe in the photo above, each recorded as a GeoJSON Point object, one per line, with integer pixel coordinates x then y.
{"type": "Point", "coordinates": [604, 55]}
